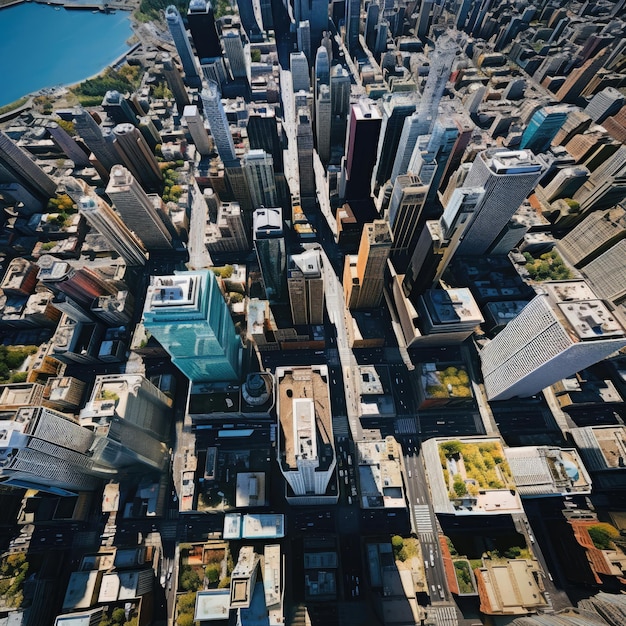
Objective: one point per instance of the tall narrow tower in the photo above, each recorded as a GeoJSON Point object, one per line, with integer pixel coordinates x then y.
{"type": "Point", "coordinates": [195, 125]}
{"type": "Point", "coordinates": [306, 288]}
{"type": "Point", "coordinates": [188, 316]}
{"type": "Point", "coordinates": [364, 273]}
{"type": "Point", "coordinates": [16, 166]}
{"type": "Point", "coordinates": [259, 171]}
{"type": "Point", "coordinates": [201, 20]}
{"type": "Point", "coordinates": [269, 244]}
{"type": "Point", "coordinates": [183, 46]}
{"type": "Point", "coordinates": [507, 178]}
{"type": "Point", "coordinates": [559, 332]}
{"type": "Point", "coordinates": [138, 157]}
{"type": "Point", "coordinates": [137, 210]}
{"type": "Point", "coordinates": [109, 224]}
{"type": "Point", "coordinates": [218, 123]}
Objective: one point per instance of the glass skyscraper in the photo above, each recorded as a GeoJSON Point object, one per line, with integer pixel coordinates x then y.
{"type": "Point", "coordinates": [188, 316]}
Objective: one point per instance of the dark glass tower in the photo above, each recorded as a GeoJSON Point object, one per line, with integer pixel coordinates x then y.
{"type": "Point", "coordinates": [201, 20]}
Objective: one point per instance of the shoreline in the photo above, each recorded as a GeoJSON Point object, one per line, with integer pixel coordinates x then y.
{"type": "Point", "coordinates": [53, 89]}
{"type": "Point", "coordinates": [110, 8]}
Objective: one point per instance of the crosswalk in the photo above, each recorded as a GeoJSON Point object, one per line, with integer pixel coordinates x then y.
{"type": "Point", "coordinates": [424, 522]}
{"type": "Point", "coordinates": [405, 426]}
{"type": "Point", "coordinates": [341, 428]}
{"type": "Point", "coordinates": [444, 615]}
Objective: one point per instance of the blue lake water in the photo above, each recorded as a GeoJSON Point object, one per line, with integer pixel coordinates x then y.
{"type": "Point", "coordinates": [41, 46]}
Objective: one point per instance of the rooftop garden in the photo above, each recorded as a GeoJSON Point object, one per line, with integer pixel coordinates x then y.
{"type": "Point", "coordinates": [451, 382]}
{"type": "Point", "coordinates": [548, 266]}
{"type": "Point", "coordinates": [11, 358]}
{"type": "Point", "coordinates": [603, 535]}
{"type": "Point", "coordinates": [471, 467]}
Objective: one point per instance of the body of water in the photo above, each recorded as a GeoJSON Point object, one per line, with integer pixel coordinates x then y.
{"type": "Point", "coordinates": [42, 46]}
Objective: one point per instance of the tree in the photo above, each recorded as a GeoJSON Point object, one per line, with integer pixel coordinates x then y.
{"type": "Point", "coordinates": [185, 619]}
{"type": "Point", "coordinates": [186, 602]}
{"type": "Point", "coordinates": [118, 616]}
{"type": "Point", "coordinates": [255, 56]}
{"type": "Point", "coordinates": [602, 535]}
{"type": "Point", "coordinates": [212, 572]}
{"type": "Point", "coordinates": [458, 484]}
{"type": "Point", "coordinates": [225, 582]}
{"type": "Point", "coordinates": [451, 448]}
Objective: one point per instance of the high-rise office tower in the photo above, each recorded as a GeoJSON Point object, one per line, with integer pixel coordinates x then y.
{"type": "Point", "coordinates": [371, 22]}
{"type": "Point", "coordinates": [566, 183]}
{"type": "Point", "coordinates": [364, 273]}
{"type": "Point", "coordinates": [46, 450]}
{"type": "Point", "coordinates": [267, 17]}
{"type": "Point", "coordinates": [108, 223]}
{"type": "Point", "coordinates": [352, 24]}
{"type": "Point", "coordinates": [382, 34]}
{"type": "Point", "coordinates": [218, 123]}
{"type": "Point", "coordinates": [269, 245]}
{"type": "Point", "coordinates": [441, 61]}
{"type": "Point", "coordinates": [259, 171]}
{"type": "Point", "coordinates": [607, 273]}
{"type": "Point", "coordinates": [149, 132]}
{"type": "Point", "coordinates": [183, 45]}
{"type": "Point", "coordinates": [248, 21]}
{"type": "Point", "coordinates": [463, 9]}
{"type": "Point", "coordinates": [71, 149]}
{"type": "Point", "coordinates": [405, 218]}
{"type": "Point", "coordinates": [543, 127]}
{"type": "Point", "coordinates": [137, 156]}
{"type": "Point", "coordinates": [187, 314]}
{"type": "Point", "coordinates": [16, 166]}
{"type": "Point", "coordinates": [430, 162]}
{"type": "Point", "coordinates": [233, 48]}
{"type": "Point", "coordinates": [201, 20]}
{"type": "Point", "coordinates": [118, 109]}
{"type": "Point", "coordinates": [322, 68]}
{"type": "Point", "coordinates": [406, 145]}
{"type": "Point", "coordinates": [195, 125]}
{"type": "Point", "coordinates": [507, 178]}
{"type": "Point", "coordinates": [299, 72]}
{"type": "Point", "coordinates": [340, 104]}
{"type": "Point", "coordinates": [423, 18]}
{"type": "Point", "coordinates": [214, 70]}
{"type": "Point", "coordinates": [606, 185]}
{"type": "Point", "coordinates": [91, 133]}
{"type": "Point", "coordinates": [318, 19]}
{"type": "Point", "coordinates": [304, 39]}
{"type": "Point", "coordinates": [604, 104]}
{"type": "Point", "coordinates": [232, 234]}
{"type": "Point", "coordinates": [306, 288]}
{"type": "Point", "coordinates": [304, 140]}
{"type": "Point", "coordinates": [362, 143]}
{"type": "Point", "coordinates": [323, 122]}
{"type": "Point", "coordinates": [558, 333]}
{"type": "Point", "coordinates": [395, 110]}
{"type": "Point", "coordinates": [594, 235]}
{"type": "Point", "coordinates": [174, 81]}
{"type": "Point", "coordinates": [571, 90]}
{"type": "Point", "coordinates": [137, 210]}
{"type": "Point", "coordinates": [263, 134]}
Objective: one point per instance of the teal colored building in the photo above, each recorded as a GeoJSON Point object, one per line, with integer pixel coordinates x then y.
{"type": "Point", "coordinates": [187, 314]}
{"type": "Point", "coordinates": [543, 127]}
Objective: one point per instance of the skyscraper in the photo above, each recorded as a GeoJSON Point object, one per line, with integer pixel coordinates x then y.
{"type": "Point", "coordinates": [71, 149]}
{"type": "Point", "coordinates": [507, 178]}
{"type": "Point", "coordinates": [108, 223]}
{"type": "Point", "coordinates": [137, 210]}
{"type": "Point", "coordinates": [304, 39]}
{"type": "Point", "coordinates": [318, 19]}
{"type": "Point", "coordinates": [201, 20]}
{"type": "Point", "coordinates": [174, 81]}
{"type": "Point", "coordinates": [248, 20]}
{"type": "Point", "coordinates": [322, 68]}
{"type": "Point", "coordinates": [558, 333]}
{"type": "Point", "coordinates": [306, 288]}
{"type": "Point", "coordinates": [91, 133]}
{"type": "Point", "coordinates": [183, 46]}
{"type": "Point", "coordinates": [137, 156]}
{"type": "Point", "coordinates": [304, 140]}
{"type": "Point", "coordinates": [233, 48]}
{"type": "Point", "coordinates": [543, 127]}
{"type": "Point", "coordinates": [364, 273]}
{"type": "Point", "coordinates": [118, 109]}
{"type": "Point", "coordinates": [195, 125]}
{"type": "Point", "coordinates": [218, 123]}
{"type": "Point", "coordinates": [299, 67]}
{"type": "Point", "coordinates": [604, 104]}
{"type": "Point", "coordinates": [352, 22]}
{"type": "Point", "coordinates": [405, 218]}
{"type": "Point", "coordinates": [263, 134]}
{"type": "Point", "coordinates": [259, 171]}
{"type": "Point", "coordinates": [188, 316]}
{"type": "Point", "coordinates": [340, 104]}
{"type": "Point", "coordinates": [16, 166]}
{"type": "Point", "coordinates": [269, 245]}
{"type": "Point", "coordinates": [395, 110]}
{"type": "Point", "coordinates": [362, 142]}
{"type": "Point", "coordinates": [323, 122]}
